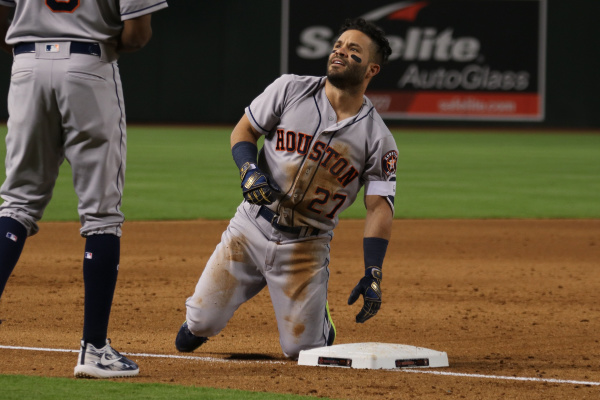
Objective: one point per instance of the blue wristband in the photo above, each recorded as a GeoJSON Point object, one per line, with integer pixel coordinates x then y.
{"type": "Point", "coordinates": [244, 152]}
{"type": "Point", "coordinates": [374, 251]}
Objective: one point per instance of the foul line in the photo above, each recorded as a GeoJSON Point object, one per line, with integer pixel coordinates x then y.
{"type": "Point", "coordinates": [206, 359]}
{"type": "Point", "coordinates": [414, 371]}
{"type": "Point", "coordinates": [506, 378]}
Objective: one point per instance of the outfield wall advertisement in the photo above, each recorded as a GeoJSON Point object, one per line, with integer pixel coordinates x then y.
{"type": "Point", "coordinates": [451, 59]}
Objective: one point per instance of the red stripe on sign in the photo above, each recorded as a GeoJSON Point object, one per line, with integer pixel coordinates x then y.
{"type": "Point", "coordinates": [409, 13]}
{"type": "Point", "coordinates": [456, 103]}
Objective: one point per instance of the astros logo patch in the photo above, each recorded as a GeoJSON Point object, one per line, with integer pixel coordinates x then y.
{"type": "Point", "coordinates": [389, 161]}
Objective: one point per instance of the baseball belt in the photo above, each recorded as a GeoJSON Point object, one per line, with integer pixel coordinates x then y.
{"type": "Point", "coordinates": [270, 216]}
{"type": "Point", "coordinates": [93, 49]}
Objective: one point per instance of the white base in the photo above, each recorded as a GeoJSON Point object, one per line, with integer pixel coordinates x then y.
{"type": "Point", "coordinates": [373, 356]}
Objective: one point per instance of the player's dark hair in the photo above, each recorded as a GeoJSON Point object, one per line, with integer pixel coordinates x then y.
{"type": "Point", "coordinates": [375, 33]}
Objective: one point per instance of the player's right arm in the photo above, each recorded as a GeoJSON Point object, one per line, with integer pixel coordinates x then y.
{"type": "Point", "coordinates": [136, 33]}
{"type": "Point", "coordinates": [257, 187]}
{"type": "Point", "coordinates": [4, 23]}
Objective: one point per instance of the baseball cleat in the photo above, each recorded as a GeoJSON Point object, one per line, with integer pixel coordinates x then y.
{"type": "Point", "coordinates": [331, 337]}
{"type": "Point", "coordinates": [186, 341]}
{"type": "Point", "coordinates": [105, 362]}
{"type": "Point", "coordinates": [332, 330]}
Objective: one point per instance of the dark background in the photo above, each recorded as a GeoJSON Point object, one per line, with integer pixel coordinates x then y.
{"type": "Point", "coordinates": [208, 60]}
{"type": "Point", "coordinates": [491, 22]}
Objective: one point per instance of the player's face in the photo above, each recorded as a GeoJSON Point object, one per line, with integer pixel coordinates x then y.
{"type": "Point", "coordinates": [349, 61]}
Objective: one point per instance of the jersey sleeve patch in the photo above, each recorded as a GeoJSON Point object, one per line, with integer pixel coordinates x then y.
{"type": "Point", "coordinates": [388, 163]}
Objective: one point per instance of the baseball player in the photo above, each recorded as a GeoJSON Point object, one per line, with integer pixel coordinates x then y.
{"type": "Point", "coordinates": [66, 101]}
{"type": "Point", "coordinates": [323, 141]}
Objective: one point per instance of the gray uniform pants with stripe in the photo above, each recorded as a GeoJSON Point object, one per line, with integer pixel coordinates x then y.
{"type": "Point", "coordinates": [252, 254]}
{"type": "Point", "coordinates": [61, 106]}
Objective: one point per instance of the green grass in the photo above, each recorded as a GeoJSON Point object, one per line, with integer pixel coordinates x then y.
{"type": "Point", "coordinates": [188, 173]}
{"type": "Point", "coordinates": [20, 387]}
{"type": "Point", "coordinates": [498, 175]}
{"type": "Point", "coordinates": [171, 173]}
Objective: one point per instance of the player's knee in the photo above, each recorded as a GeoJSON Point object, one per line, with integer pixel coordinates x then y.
{"type": "Point", "coordinates": [292, 350]}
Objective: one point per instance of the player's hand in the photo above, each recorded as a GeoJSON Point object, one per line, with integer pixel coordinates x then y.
{"type": "Point", "coordinates": [370, 287]}
{"type": "Point", "coordinates": [257, 187]}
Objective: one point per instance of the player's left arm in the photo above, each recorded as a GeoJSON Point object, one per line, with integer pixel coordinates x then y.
{"type": "Point", "coordinates": [136, 33]}
{"type": "Point", "coordinates": [378, 222]}
{"type": "Point", "coordinates": [380, 192]}
{"type": "Point", "coordinates": [378, 230]}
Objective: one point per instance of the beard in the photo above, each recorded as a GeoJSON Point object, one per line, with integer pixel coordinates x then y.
{"type": "Point", "coordinates": [353, 76]}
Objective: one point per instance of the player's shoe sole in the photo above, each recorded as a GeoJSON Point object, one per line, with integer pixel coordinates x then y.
{"type": "Point", "coordinates": [86, 371]}
{"type": "Point", "coordinates": [105, 362]}
{"type": "Point", "coordinates": [186, 341]}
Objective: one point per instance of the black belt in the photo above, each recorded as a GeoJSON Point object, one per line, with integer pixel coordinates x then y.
{"type": "Point", "coordinates": [92, 49]}
{"type": "Point", "coordinates": [270, 216]}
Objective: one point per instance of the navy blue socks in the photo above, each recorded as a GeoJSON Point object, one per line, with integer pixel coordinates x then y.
{"type": "Point", "coordinates": [12, 240]}
{"type": "Point", "coordinates": [100, 269]}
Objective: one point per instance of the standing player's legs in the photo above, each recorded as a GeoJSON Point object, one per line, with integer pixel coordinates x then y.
{"type": "Point", "coordinates": [33, 156]}
{"type": "Point", "coordinates": [91, 100]}
{"type": "Point", "coordinates": [230, 278]}
{"type": "Point", "coordinates": [297, 282]}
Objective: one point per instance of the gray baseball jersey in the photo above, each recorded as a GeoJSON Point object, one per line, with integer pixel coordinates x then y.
{"type": "Point", "coordinates": [88, 21]}
{"type": "Point", "coordinates": [66, 101]}
{"type": "Point", "coordinates": [321, 165]}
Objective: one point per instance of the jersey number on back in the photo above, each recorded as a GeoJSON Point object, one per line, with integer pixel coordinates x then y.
{"type": "Point", "coordinates": [67, 6]}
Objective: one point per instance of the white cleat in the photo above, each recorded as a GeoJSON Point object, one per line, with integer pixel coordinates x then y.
{"type": "Point", "coordinates": [105, 362]}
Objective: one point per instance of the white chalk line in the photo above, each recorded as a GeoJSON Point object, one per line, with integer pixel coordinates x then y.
{"type": "Point", "coordinates": [507, 378]}
{"type": "Point", "coordinates": [414, 371]}
{"type": "Point", "coordinates": [206, 359]}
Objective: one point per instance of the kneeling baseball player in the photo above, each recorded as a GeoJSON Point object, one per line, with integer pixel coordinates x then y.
{"type": "Point", "coordinates": [323, 141]}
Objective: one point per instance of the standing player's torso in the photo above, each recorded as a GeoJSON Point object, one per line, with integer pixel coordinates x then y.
{"type": "Point", "coordinates": [55, 20]}
{"type": "Point", "coordinates": [318, 162]}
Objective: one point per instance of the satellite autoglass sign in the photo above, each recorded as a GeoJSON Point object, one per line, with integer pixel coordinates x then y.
{"type": "Point", "coordinates": [451, 59]}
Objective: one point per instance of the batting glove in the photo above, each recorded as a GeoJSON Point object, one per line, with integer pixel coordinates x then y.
{"type": "Point", "coordinates": [370, 287]}
{"type": "Point", "coordinates": [256, 185]}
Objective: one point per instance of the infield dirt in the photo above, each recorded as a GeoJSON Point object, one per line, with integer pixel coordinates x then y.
{"type": "Point", "coordinates": [513, 298]}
